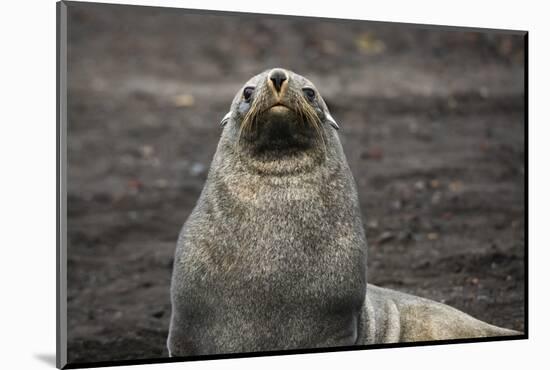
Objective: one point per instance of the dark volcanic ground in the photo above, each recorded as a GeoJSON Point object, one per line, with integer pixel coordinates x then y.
{"type": "Point", "coordinates": [432, 125]}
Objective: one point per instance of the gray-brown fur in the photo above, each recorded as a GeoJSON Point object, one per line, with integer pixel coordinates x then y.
{"type": "Point", "coordinates": [273, 255]}
{"type": "Point", "coordinates": [389, 316]}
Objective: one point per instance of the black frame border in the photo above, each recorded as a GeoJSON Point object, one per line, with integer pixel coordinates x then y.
{"type": "Point", "coordinates": [61, 196]}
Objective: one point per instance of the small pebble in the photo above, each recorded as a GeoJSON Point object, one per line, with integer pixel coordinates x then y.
{"type": "Point", "coordinates": [197, 168]}
{"type": "Point", "coordinates": [420, 185]}
{"type": "Point", "coordinates": [384, 237]}
{"type": "Point", "coordinates": [433, 236]}
{"type": "Point", "coordinates": [183, 100]}
{"type": "Point", "coordinates": [147, 151]}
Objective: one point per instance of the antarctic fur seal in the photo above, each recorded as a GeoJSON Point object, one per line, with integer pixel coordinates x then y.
{"type": "Point", "coordinates": [274, 254]}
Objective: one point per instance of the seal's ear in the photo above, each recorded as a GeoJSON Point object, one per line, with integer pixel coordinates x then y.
{"type": "Point", "coordinates": [331, 120]}
{"type": "Point", "coordinates": [225, 119]}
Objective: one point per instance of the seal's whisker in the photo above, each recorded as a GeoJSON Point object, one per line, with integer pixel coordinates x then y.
{"type": "Point", "coordinates": [249, 121]}
{"type": "Point", "coordinates": [310, 117]}
{"type": "Point", "coordinates": [306, 117]}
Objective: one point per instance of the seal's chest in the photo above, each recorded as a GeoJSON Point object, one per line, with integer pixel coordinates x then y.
{"type": "Point", "coordinates": [275, 244]}
{"type": "Point", "coordinates": [281, 268]}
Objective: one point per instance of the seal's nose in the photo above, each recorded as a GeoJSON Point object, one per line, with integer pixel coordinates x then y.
{"type": "Point", "coordinates": [277, 78]}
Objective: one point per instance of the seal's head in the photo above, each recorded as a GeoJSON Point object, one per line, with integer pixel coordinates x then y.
{"type": "Point", "coordinates": [281, 112]}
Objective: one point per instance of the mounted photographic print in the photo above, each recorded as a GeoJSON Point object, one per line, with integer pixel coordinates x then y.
{"type": "Point", "coordinates": [234, 184]}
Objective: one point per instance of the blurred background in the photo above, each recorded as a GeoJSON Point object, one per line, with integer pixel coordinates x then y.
{"type": "Point", "coordinates": [432, 123]}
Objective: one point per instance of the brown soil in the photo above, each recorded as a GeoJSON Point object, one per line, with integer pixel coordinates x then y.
{"type": "Point", "coordinates": [432, 126]}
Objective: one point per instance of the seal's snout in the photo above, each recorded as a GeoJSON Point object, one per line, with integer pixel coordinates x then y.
{"type": "Point", "coordinates": [277, 79]}
{"type": "Point", "coordinates": [280, 109]}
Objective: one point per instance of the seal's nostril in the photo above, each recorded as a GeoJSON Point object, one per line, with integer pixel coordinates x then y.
{"type": "Point", "coordinates": [277, 76]}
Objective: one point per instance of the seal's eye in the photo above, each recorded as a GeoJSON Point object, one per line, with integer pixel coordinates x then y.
{"type": "Point", "coordinates": [309, 93]}
{"type": "Point", "coordinates": [247, 93]}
